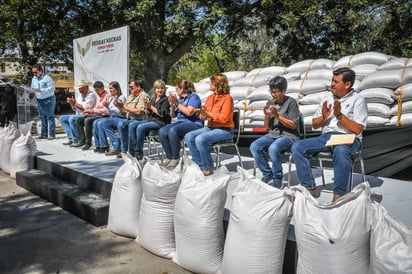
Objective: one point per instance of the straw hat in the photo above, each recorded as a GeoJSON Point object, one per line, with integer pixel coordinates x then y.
{"type": "Point", "coordinates": [82, 83]}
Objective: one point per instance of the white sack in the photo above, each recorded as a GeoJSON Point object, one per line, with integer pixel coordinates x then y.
{"type": "Point", "coordinates": [308, 120]}
{"type": "Point", "coordinates": [258, 227]}
{"type": "Point", "coordinates": [308, 86]}
{"type": "Point", "coordinates": [271, 71]}
{"type": "Point", "coordinates": [200, 88]}
{"type": "Point", "coordinates": [406, 92]}
{"type": "Point", "coordinates": [369, 57]}
{"type": "Point", "coordinates": [308, 110]}
{"type": "Point", "coordinates": [257, 104]}
{"type": "Point", "coordinates": [391, 244]}
{"type": "Point", "coordinates": [240, 92]}
{"type": "Point", "coordinates": [377, 121]}
{"type": "Point", "coordinates": [333, 238]}
{"type": "Point", "coordinates": [198, 219]}
{"type": "Point", "coordinates": [325, 74]}
{"type": "Point", "coordinates": [300, 67]}
{"type": "Point", "coordinates": [313, 99]}
{"type": "Point", "coordinates": [363, 70]}
{"type": "Point", "coordinates": [125, 198]}
{"type": "Point", "coordinates": [291, 76]}
{"type": "Point", "coordinates": [2, 133]}
{"type": "Point", "coordinates": [378, 109]}
{"type": "Point", "coordinates": [252, 81]}
{"type": "Point", "coordinates": [311, 64]}
{"type": "Point", "coordinates": [386, 79]}
{"type": "Point", "coordinates": [234, 75]}
{"type": "Point", "coordinates": [256, 123]}
{"type": "Point", "coordinates": [378, 95]}
{"type": "Point", "coordinates": [396, 63]}
{"type": "Point", "coordinates": [406, 108]}
{"type": "Point", "coordinates": [10, 134]}
{"type": "Point", "coordinates": [156, 229]}
{"type": "Point", "coordinates": [260, 93]}
{"type": "Point", "coordinates": [406, 119]}
{"type": "Point", "coordinates": [22, 154]}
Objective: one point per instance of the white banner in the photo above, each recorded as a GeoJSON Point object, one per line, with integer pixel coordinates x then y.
{"type": "Point", "coordinates": [103, 57]}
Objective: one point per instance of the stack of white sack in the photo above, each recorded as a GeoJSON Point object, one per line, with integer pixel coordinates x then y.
{"type": "Point", "coordinates": [380, 78]}
{"type": "Point", "coordinates": [198, 219]}
{"type": "Point", "coordinates": [156, 228]}
{"type": "Point", "coordinates": [125, 198]}
{"type": "Point", "coordinates": [181, 217]}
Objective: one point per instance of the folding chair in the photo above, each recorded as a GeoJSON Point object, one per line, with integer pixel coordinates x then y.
{"type": "Point", "coordinates": [230, 143]}
{"type": "Point", "coordinates": [152, 140]}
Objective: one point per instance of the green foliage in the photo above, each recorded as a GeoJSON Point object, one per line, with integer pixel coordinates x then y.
{"type": "Point", "coordinates": [193, 39]}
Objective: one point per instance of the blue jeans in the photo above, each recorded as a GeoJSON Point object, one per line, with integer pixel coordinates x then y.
{"type": "Point", "coordinates": [100, 138]}
{"type": "Point", "coordinates": [170, 136]}
{"type": "Point", "coordinates": [274, 147]}
{"type": "Point", "coordinates": [69, 126]}
{"type": "Point", "coordinates": [342, 161]}
{"type": "Point", "coordinates": [137, 134]}
{"type": "Point", "coordinates": [199, 142]}
{"type": "Point", "coordinates": [107, 128]}
{"type": "Point", "coordinates": [123, 128]}
{"type": "Point", "coordinates": [46, 107]}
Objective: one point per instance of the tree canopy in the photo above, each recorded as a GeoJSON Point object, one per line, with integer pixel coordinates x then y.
{"type": "Point", "coordinates": [192, 39]}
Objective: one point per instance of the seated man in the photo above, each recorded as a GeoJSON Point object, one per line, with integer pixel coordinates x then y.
{"type": "Point", "coordinates": [84, 123]}
{"type": "Point", "coordinates": [134, 109]}
{"type": "Point", "coordinates": [86, 100]}
{"type": "Point", "coordinates": [342, 111]}
{"type": "Point", "coordinates": [282, 119]}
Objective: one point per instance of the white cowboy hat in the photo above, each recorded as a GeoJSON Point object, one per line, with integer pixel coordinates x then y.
{"type": "Point", "coordinates": [82, 83]}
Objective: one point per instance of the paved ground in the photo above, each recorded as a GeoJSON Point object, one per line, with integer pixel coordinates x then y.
{"type": "Point", "coordinates": [38, 237]}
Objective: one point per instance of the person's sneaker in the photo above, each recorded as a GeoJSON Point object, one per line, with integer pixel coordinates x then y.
{"type": "Point", "coordinates": [86, 147]}
{"type": "Point", "coordinates": [51, 138]}
{"type": "Point", "coordinates": [113, 153]}
{"type": "Point", "coordinates": [173, 163]}
{"type": "Point", "coordinates": [42, 137]}
{"type": "Point", "coordinates": [68, 143]}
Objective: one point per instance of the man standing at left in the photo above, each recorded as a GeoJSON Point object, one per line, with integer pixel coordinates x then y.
{"type": "Point", "coordinates": [43, 86]}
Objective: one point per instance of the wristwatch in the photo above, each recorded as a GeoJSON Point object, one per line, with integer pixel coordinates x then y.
{"type": "Point", "coordinates": [339, 117]}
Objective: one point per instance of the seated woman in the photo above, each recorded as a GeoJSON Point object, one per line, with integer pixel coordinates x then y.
{"type": "Point", "coordinates": [281, 118]}
{"type": "Point", "coordinates": [100, 137]}
{"type": "Point", "coordinates": [157, 115]}
{"type": "Point", "coordinates": [184, 109]}
{"type": "Point", "coordinates": [218, 111]}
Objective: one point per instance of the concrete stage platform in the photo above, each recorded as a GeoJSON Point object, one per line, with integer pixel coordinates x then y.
{"type": "Point", "coordinates": [95, 172]}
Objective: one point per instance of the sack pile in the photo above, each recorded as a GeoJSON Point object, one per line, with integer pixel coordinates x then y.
{"type": "Point", "coordinates": [181, 218]}
{"type": "Point", "coordinates": [385, 82]}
